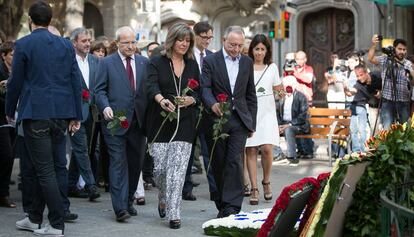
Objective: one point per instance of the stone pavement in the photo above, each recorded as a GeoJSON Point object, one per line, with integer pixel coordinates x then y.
{"type": "Point", "coordinates": [97, 219]}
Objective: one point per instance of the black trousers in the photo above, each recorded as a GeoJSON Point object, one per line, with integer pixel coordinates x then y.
{"type": "Point", "coordinates": [6, 161]}
{"type": "Point", "coordinates": [46, 141]}
{"type": "Point", "coordinates": [227, 163]}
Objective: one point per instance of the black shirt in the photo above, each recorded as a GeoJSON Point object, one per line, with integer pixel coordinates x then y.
{"type": "Point", "coordinates": [366, 92]}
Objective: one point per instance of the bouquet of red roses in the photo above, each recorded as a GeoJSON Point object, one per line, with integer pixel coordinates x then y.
{"type": "Point", "coordinates": [119, 121]}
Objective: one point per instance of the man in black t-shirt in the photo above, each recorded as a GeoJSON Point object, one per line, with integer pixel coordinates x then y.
{"type": "Point", "coordinates": [364, 91]}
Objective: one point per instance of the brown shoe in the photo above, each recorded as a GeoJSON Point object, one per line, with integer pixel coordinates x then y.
{"type": "Point", "coordinates": [267, 191]}
{"type": "Point", "coordinates": [5, 202]}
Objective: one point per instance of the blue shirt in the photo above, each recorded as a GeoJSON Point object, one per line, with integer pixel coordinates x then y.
{"type": "Point", "coordinates": [232, 66]}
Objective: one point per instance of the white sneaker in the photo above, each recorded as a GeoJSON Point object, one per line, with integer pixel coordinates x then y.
{"type": "Point", "coordinates": [26, 224]}
{"type": "Point", "coordinates": [49, 231]}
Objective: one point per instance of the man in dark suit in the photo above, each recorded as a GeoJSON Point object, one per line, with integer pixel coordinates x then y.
{"type": "Point", "coordinates": [231, 73]}
{"type": "Point", "coordinates": [46, 84]}
{"type": "Point", "coordinates": [80, 163]}
{"type": "Point", "coordinates": [203, 35]}
{"type": "Point", "coordinates": [119, 87]}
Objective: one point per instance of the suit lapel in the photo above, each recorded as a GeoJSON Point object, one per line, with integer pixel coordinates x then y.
{"type": "Point", "coordinates": [223, 71]}
{"type": "Point", "coordinates": [91, 72]}
{"type": "Point", "coordinates": [119, 66]}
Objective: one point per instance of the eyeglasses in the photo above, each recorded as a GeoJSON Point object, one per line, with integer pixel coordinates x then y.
{"type": "Point", "coordinates": [206, 37]}
{"type": "Point", "coordinates": [128, 43]}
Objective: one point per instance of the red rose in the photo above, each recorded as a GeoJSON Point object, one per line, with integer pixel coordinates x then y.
{"type": "Point", "coordinates": [289, 89]}
{"type": "Point", "coordinates": [192, 83]}
{"type": "Point", "coordinates": [85, 94]}
{"type": "Point", "coordinates": [124, 124]}
{"type": "Point", "coordinates": [221, 98]}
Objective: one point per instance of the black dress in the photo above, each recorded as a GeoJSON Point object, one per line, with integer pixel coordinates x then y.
{"type": "Point", "coordinates": [161, 80]}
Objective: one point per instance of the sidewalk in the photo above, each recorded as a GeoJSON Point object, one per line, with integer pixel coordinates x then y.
{"type": "Point", "coordinates": [98, 220]}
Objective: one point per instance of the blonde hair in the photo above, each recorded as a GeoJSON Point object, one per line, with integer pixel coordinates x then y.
{"type": "Point", "coordinates": [177, 32]}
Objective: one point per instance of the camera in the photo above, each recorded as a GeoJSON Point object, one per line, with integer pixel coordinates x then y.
{"type": "Point", "coordinates": [389, 51]}
{"type": "Point", "coordinates": [342, 65]}
{"type": "Point", "coordinates": [290, 65]}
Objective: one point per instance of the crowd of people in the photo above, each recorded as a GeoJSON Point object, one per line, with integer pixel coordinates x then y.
{"type": "Point", "coordinates": [138, 118]}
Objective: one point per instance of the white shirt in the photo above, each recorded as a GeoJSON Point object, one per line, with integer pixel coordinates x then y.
{"type": "Point", "coordinates": [232, 68]}
{"type": "Point", "coordinates": [84, 68]}
{"type": "Point", "coordinates": [123, 58]}
{"type": "Point", "coordinates": [197, 57]}
{"type": "Point", "coordinates": [287, 108]}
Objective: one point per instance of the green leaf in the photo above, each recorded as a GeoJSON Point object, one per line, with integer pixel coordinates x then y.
{"type": "Point", "coordinates": [163, 114]}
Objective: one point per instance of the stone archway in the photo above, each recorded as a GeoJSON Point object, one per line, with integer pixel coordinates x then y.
{"type": "Point", "coordinates": [92, 19]}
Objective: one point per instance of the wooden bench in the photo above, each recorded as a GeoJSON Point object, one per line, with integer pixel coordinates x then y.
{"type": "Point", "coordinates": [330, 124]}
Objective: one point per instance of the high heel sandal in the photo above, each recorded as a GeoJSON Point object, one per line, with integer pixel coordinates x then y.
{"type": "Point", "coordinates": [254, 198]}
{"type": "Point", "coordinates": [246, 190]}
{"type": "Point", "coordinates": [267, 195]}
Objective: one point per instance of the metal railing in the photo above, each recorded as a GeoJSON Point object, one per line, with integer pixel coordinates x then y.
{"type": "Point", "coordinates": [397, 211]}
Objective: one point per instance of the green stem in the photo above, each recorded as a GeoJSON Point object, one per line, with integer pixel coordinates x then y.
{"type": "Point", "coordinates": [159, 130]}
{"type": "Point", "coordinates": [211, 154]}
{"type": "Point", "coordinates": [200, 115]}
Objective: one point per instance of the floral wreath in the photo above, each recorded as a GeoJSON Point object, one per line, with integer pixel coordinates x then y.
{"type": "Point", "coordinates": [283, 201]}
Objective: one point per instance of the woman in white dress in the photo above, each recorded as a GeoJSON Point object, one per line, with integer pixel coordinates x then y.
{"type": "Point", "coordinates": [267, 81]}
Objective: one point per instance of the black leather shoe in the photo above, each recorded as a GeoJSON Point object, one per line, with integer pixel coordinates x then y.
{"type": "Point", "coordinates": [122, 216]}
{"type": "Point", "coordinates": [76, 193]}
{"type": "Point", "coordinates": [161, 211]}
{"type": "Point", "coordinates": [189, 197]}
{"type": "Point", "coordinates": [93, 193]}
{"type": "Point", "coordinates": [140, 201]}
{"type": "Point", "coordinates": [131, 210]}
{"type": "Point", "coordinates": [229, 211]}
{"type": "Point", "coordinates": [175, 224]}
{"type": "Point", "coordinates": [68, 216]}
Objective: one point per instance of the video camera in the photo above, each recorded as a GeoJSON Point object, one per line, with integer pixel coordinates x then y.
{"type": "Point", "coordinates": [389, 51]}
{"type": "Point", "coordinates": [290, 65]}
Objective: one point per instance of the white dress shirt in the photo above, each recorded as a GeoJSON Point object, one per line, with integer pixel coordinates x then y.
{"type": "Point", "coordinates": [84, 68]}
{"type": "Point", "coordinates": [132, 65]}
{"type": "Point", "coordinates": [232, 66]}
{"type": "Point", "coordinates": [197, 57]}
{"type": "Point", "coordinates": [287, 108]}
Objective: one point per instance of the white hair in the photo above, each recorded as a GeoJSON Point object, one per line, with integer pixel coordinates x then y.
{"type": "Point", "coordinates": [233, 29]}
{"type": "Point", "coordinates": [123, 30]}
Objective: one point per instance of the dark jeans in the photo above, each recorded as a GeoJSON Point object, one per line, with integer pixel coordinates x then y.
{"type": "Point", "coordinates": [27, 172]}
{"type": "Point", "coordinates": [46, 141]}
{"type": "Point", "coordinates": [6, 161]}
{"type": "Point", "coordinates": [389, 112]}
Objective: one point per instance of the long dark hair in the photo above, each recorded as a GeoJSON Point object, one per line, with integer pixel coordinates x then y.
{"type": "Point", "coordinates": [261, 38]}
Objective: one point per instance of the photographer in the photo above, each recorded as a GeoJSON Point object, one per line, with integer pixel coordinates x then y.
{"type": "Point", "coordinates": [395, 71]}
{"type": "Point", "coordinates": [336, 78]}
{"type": "Point", "coordinates": [364, 90]}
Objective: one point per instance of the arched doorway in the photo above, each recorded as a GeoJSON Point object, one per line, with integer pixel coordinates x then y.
{"type": "Point", "coordinates": [92, 19]}
{"type": "Point", "coordinates": [326, 31]}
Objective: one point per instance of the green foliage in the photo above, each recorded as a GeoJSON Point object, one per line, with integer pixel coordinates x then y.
{"type": "Point", "coordinates": [230, 232]}
{"type": "Point", "coordinates": [390, 164]}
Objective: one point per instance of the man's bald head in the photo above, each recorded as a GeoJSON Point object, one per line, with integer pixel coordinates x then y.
{"type": "Point", "coordinates": [300, 58]}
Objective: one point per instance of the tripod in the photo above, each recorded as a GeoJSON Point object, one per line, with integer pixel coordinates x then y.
{"type": "Point", "coordinates": [389, 75]}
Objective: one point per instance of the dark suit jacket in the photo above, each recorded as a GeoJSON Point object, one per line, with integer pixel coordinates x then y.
{"type": "Point", "coordinates": [93, 69]}
{"type": "Point", "coordinates": [214, 80]}
{"type": "Point", "coordinates": [300, 115]}
{"type": "Point", "coordinates": [45, 80]}
{"type": "Point", "coordinates": [113, 89]}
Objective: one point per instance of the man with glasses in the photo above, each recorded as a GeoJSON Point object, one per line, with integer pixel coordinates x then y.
{"type": "Point", "coordinates": [228, 72]}
{"type": "Point", "coordinates": [119, 89]}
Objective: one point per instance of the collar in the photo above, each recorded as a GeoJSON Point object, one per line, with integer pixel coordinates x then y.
{"type": "Point", "coordinates": [123, 58]}
{"type": "Point", "coordinates": [197, 51]}
{"type": "Point", "coordinates": [79, 58]}
{"type": "Point", "coordinates": [226, 55]}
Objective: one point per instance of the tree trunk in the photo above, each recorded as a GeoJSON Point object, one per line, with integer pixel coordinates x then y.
{"type": "Point", "coordinates": [11, 12]}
